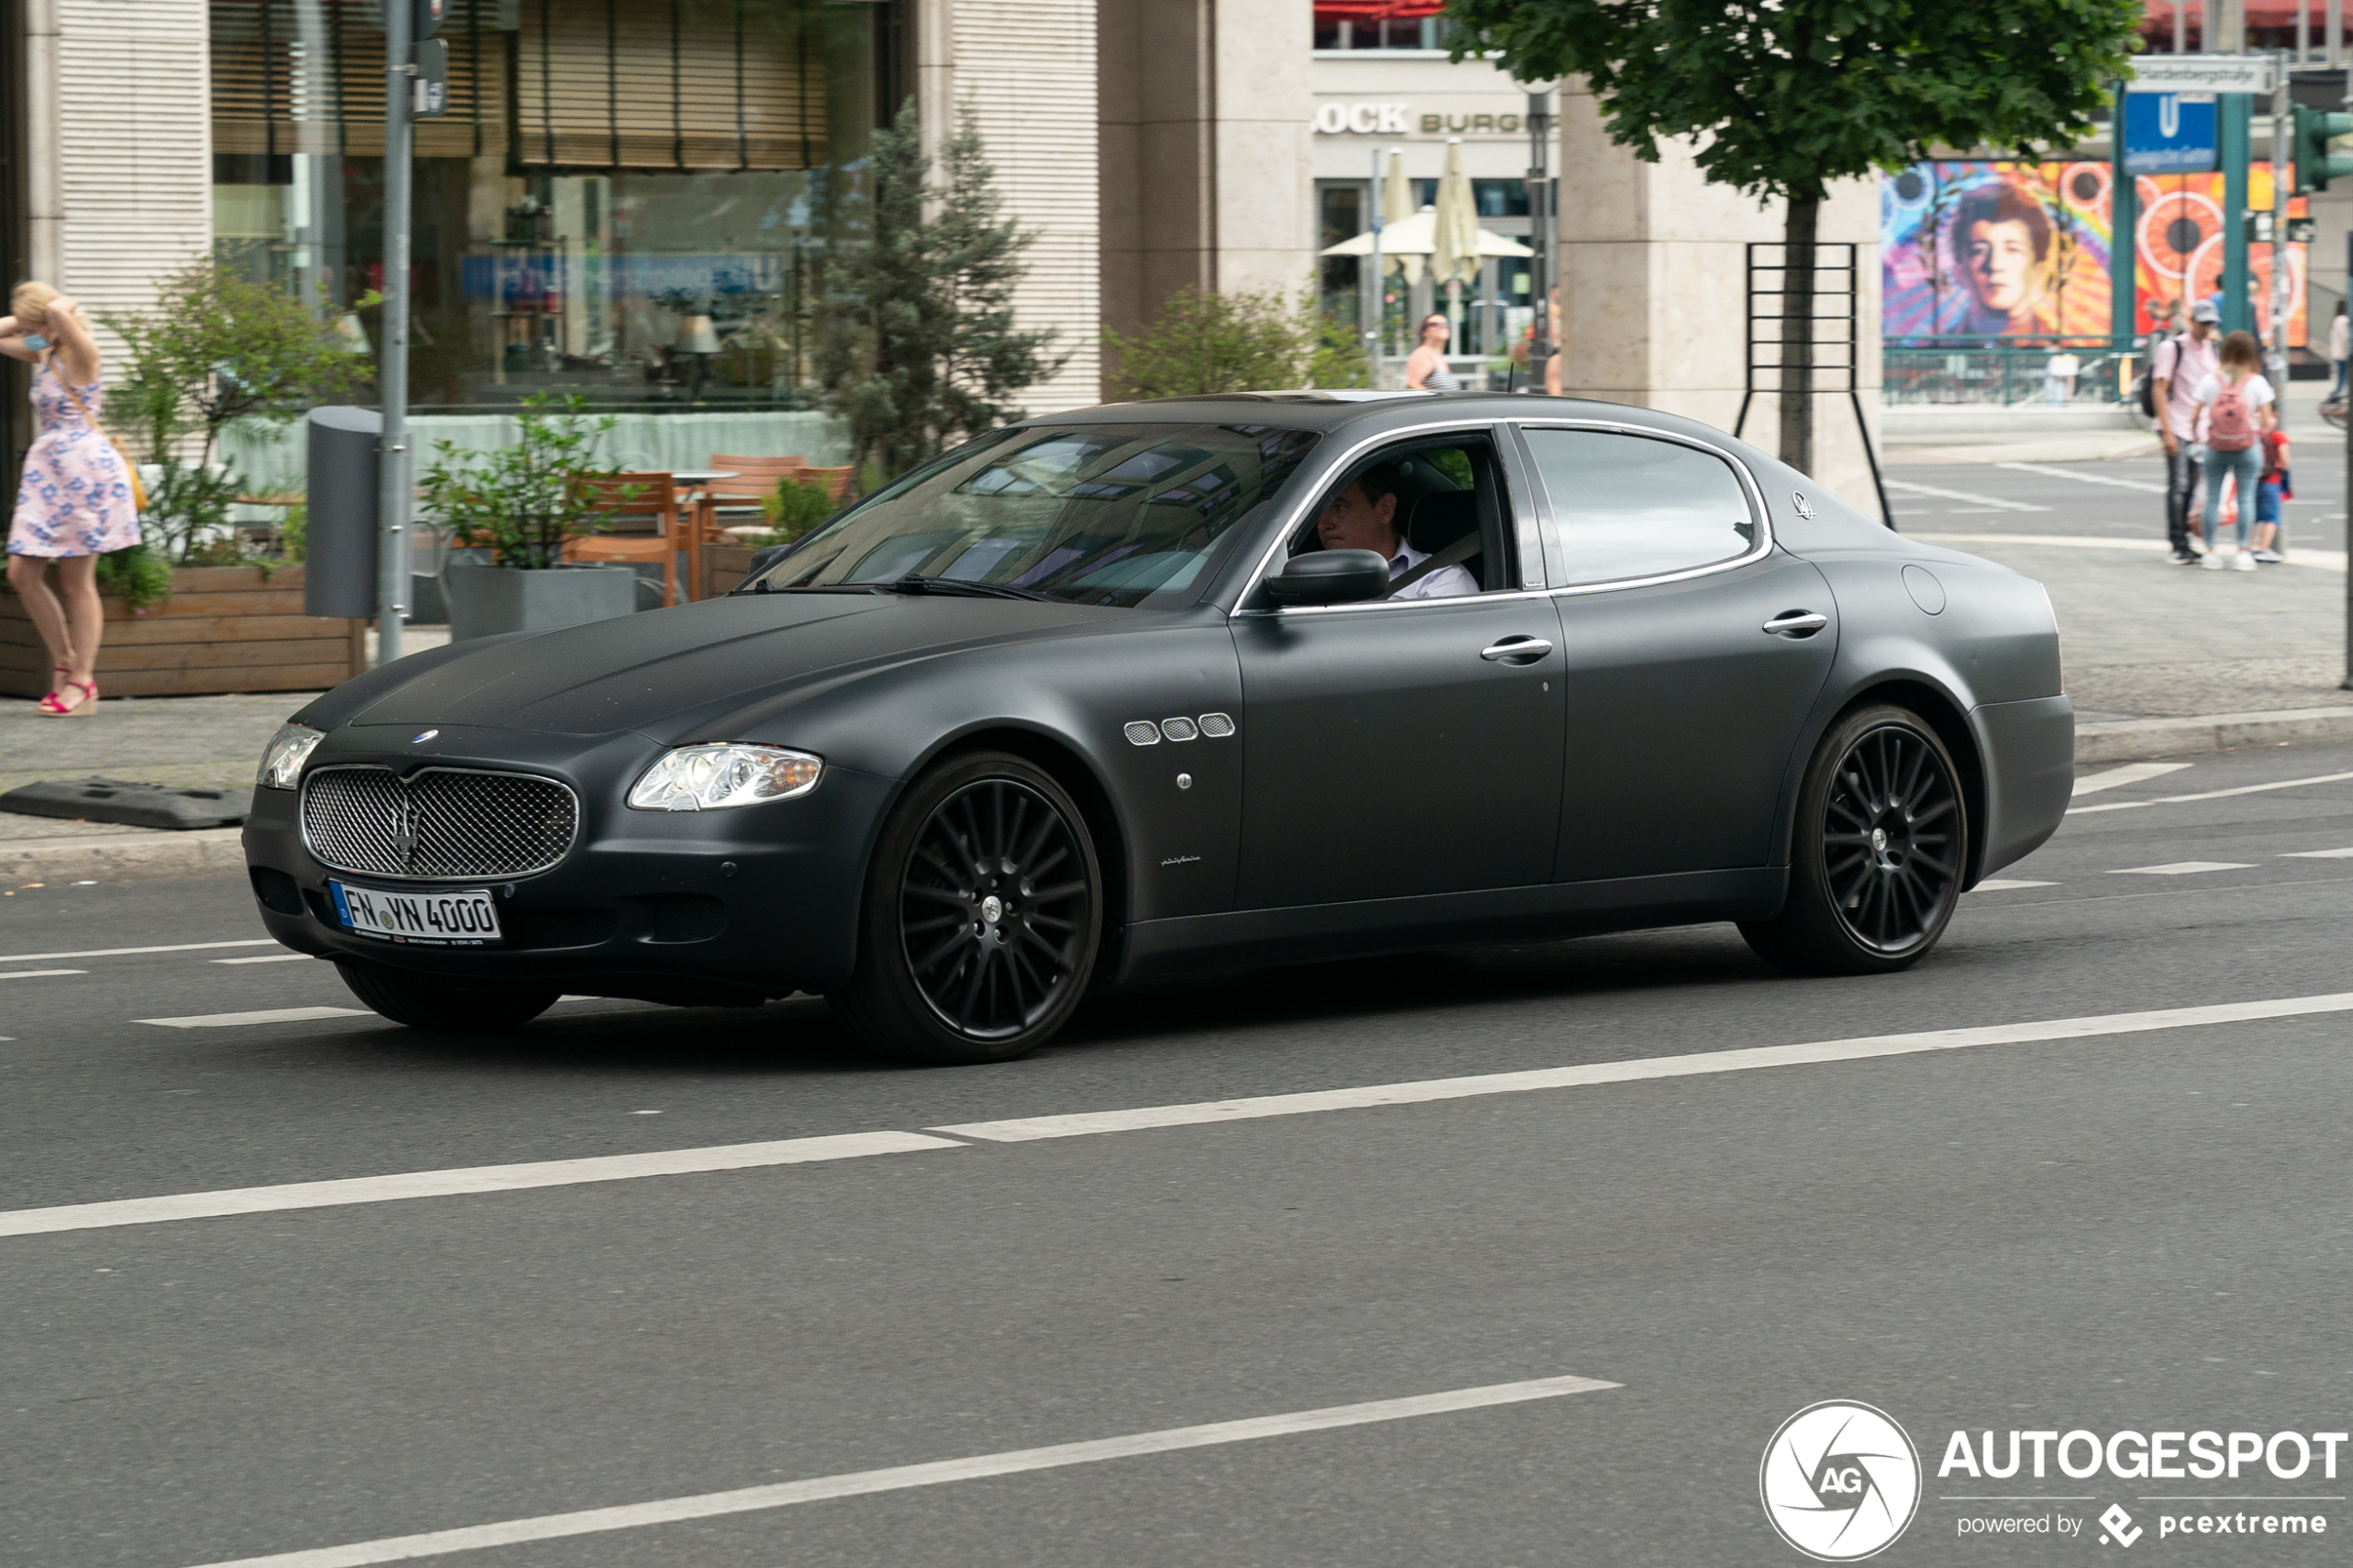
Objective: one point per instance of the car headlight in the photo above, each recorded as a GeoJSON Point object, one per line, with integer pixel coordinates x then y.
{"type": "Point", "coordinates": [712, 778]}
{"type": "Point", "coordinates": [282, 760]}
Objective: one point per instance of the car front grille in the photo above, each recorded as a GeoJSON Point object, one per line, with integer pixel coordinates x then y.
{"type": "Point", "coordinates": [441, 824]}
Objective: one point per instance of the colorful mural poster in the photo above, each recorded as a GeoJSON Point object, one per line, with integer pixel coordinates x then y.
{"type": "Point", "coordinates": [1974, 251]}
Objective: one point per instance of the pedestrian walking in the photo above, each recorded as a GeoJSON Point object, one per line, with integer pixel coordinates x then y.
{"type": "Point", "coordinates": [2181, 363]}
{"type": "Point", "coordinates": [2272, 496]}
{"type": "Point", "coordinates": [2233, 411]}
{"type": "Point", "coordinates": [1425, 367]}
{"type": "Point", "coordinates": [2340, 348]}
{"type": "Point", "coordinates": [75, 502]}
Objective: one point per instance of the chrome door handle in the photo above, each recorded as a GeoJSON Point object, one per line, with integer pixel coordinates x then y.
{"type": "Point", "coordinates": [1796, 623]}
{"type": "Point", "coordinates": [1515, 650]}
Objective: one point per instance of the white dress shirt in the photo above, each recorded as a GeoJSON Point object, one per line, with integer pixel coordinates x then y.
{"type": "Point", "coordinates": [1446, 583]}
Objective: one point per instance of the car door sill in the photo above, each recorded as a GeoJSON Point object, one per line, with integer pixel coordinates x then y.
{"type": "Point", "coordinates": [1307, 932]}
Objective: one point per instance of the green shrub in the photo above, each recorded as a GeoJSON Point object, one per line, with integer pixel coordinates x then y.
{"type": "Point", "coordinates": [796, 506]}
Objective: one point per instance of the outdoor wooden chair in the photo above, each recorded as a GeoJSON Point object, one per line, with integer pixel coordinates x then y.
{"type": "Point", "coordinates": [737, 500]}
{"type": "Point", "coordinates": [636, 502]}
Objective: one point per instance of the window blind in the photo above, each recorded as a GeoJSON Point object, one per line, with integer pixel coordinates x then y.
{"type": "Point", "coordinates": [674, 85]}
{"type": "Point", "coordinates": [307, 76]}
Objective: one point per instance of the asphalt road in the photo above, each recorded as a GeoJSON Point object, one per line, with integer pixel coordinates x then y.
{"type": "Point", "coordinates": [2139, 1229]}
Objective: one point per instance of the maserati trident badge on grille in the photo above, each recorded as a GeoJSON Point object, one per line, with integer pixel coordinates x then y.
{"type": "Point", "coordinates": [425, 737]}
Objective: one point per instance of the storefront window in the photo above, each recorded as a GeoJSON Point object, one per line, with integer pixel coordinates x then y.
{"type": "Point", "coordinates": [628, 199]}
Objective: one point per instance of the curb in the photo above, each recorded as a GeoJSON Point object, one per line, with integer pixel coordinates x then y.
{"type": "Point", "coordinates": [122, 857]}
{"type": "Point", "coordinates": [2118, 740]}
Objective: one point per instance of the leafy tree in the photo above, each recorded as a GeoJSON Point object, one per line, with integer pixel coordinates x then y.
{"type": "Point", "coordinates": [1783, 97]}
{"type": "Point", "coordinates": [522, 502]}
{"type": "Point", "coordinates": [917, 347]}
{"type": "Point", "coordinates": [1204, 343]}
{"type": "Point", "coordinates": [216, 348]}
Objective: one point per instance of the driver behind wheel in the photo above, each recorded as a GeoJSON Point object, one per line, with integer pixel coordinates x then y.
{"type": "Point", "coordinates": [1363, 516]}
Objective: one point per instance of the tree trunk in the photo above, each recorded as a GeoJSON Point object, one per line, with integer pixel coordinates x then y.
{"type": "Point", "coordinates": [1797, 334]}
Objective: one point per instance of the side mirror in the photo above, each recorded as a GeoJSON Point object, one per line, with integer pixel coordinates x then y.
{"type": "Point", "coordinates": [1331, 577]}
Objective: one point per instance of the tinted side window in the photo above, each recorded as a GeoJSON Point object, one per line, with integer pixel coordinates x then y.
{"type": "Point", "coordinates": [1626, 506]}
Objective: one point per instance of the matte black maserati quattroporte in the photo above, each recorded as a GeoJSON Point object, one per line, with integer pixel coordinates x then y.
{"type": "Point", "coordinates": [1227, 680]}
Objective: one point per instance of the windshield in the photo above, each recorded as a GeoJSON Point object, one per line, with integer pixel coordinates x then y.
{"type": "Point", "coordinates": [1128, 515]}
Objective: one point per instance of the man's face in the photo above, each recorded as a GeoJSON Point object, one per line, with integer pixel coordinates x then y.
{"type": "Point", "coordinates": [1351, 520]}
{"type": "Point", "coordinates": [2000, 265]}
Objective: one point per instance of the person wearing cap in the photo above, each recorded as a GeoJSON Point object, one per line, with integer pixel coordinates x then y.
{"type": "Point", "coordinates": [2182, 363]}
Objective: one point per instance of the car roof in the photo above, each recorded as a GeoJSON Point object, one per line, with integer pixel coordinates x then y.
{"type": "Point", "coordinates": [1370, 410]}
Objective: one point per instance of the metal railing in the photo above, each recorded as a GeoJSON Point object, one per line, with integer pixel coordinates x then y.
{"type": "Point", "coordinates": [2017, 370]}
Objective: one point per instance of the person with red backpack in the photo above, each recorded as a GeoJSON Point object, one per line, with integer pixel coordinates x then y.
{"type": "Point", "coordinates": [2234, 409]}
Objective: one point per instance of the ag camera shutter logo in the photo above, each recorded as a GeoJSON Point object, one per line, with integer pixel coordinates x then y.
{"type": "Point", "coordinates": [1839, 1481]}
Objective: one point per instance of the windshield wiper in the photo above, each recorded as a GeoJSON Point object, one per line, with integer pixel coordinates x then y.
{"type": "Point", "coordinates": [915, 583]}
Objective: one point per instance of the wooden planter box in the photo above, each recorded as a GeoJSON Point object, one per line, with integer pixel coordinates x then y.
{"type": "Point", "coordinates": [723, 566]}
{"type": "Point", "coordinates": [224, 629]}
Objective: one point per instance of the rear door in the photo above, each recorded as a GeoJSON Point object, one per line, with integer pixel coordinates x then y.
{"type": "Point", "coordinates": [1693, 652]}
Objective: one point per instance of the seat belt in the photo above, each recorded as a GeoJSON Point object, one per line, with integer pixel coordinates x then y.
{"type": "Point", "coordinates": [1454, 554]}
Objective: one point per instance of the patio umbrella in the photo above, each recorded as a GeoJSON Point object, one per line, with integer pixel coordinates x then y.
{"type": "Point", "coordinates": [1453, 259]}
{"type": "Point", "coordinates": [1397, 207]}
{"type": "Point", "coordinates": [1415, 237]}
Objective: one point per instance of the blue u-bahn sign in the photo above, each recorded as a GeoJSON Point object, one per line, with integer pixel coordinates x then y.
{"type": "Point", "coordinates": [2169, 133]}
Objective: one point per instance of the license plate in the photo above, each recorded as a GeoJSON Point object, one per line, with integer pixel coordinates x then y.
{"type": "Point", "coordinates": [461, 918]}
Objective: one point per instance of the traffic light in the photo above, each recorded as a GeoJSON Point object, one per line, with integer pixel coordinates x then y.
{"type": "Point", "coordinates": [2315, 165]}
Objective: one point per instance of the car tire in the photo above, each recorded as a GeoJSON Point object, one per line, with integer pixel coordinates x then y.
{"type": "Point", "coordinates": [443, 1004]}
{"type": "Point", "coordinates": [1878, 854]}
{"type": "Point", "coordinates": [982, 916]}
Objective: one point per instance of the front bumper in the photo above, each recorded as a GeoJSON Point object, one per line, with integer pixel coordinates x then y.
{"type": "Point", "coordinates": [672, 906]}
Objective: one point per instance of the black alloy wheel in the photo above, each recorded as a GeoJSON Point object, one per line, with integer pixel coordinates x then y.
{"type": "Point", "coordinates": [982, 916]}
{"type": "Point", "coordinates": [444, 1005]}
{"type": "Point", "coordinates": [1881, 848]}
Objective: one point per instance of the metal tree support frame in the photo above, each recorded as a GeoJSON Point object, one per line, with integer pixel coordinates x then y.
{"type": "Point", "coordinates": [1836, 356]}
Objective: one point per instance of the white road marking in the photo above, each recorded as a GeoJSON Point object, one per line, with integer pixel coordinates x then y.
{"type": "Point", "coordinates": [1993, 503]}
{"type": "Point", "coordinates": [2320, 560]}
{"type": "Point", "coordinates": [469, 1179]}
{"type": "Point", "coordinates": [2147, 487]}
{"type": "Point", "coordinates": [2000, 884]}
{"type": "Point", "coordinates": [2087, 784]}
{"type": "Point", "coordinates": [267, 1015]}
{"type": "Point", "coordinates": [1023, 1129]}
{"type": "Point", "coordinates": [272, 957]}
{"type": "Point", "coordinates": [126, 952]}
{"type": "Point", "coordinates": [2318, 855]}
{"type": "Point", "coordinates": [863, 1483]}
{"type": "Point", "coordinates": [2209, 794]}
{"type": "Point", "coordinates": [37, 974]}
{"type": "Point", "coordinates": [2181, 867]}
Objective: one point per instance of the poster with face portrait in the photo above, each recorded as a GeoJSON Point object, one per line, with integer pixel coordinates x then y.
{"type": "Point", "coordinates": [1977, 251]}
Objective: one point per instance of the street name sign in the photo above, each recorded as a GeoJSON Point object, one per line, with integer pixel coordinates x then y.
{"type": "Point", "coordinates": [2202, 73]}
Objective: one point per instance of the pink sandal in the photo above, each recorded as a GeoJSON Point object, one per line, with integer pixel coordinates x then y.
{"type": "Point", "coordinates": [55, 706]}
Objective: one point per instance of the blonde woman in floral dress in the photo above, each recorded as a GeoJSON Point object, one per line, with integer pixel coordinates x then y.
{"type": "Point", "coordinates": [73, 504]}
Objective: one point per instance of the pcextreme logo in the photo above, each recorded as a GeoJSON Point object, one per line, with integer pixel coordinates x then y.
{"type": "Point", "coordinates": [1839, 1481]}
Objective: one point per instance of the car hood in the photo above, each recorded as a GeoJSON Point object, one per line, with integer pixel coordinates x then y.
{"type": "Point", "coordinates": [672, 673]}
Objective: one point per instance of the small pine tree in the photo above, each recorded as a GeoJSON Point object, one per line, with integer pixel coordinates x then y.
{"type": "Point", "coordinates": [1206, 343]}
{"type": "Point", "coordinates": [917, 347]}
